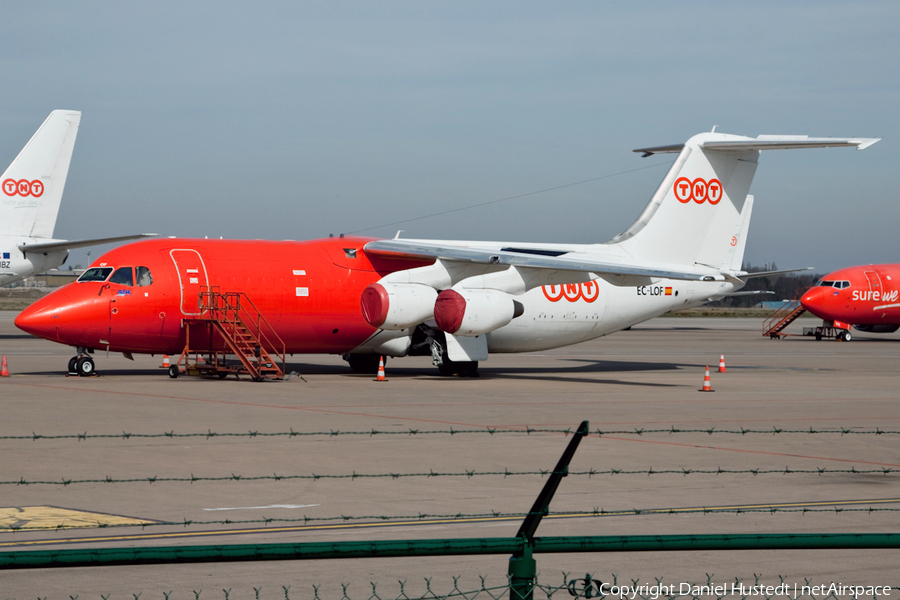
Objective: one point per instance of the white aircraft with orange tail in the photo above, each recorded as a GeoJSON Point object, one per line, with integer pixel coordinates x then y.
{"type": "Point", "coordinates": [457, 301]}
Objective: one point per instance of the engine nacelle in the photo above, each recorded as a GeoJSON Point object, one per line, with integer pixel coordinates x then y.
{"type": "Point", "coordinates": [474, 312]}
{"type": "Point", "coordinates": [396, 306]}
{"type": "Point", "coordinates": [877, 328]}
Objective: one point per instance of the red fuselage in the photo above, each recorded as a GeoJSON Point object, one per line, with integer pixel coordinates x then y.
{"type": "Point", "coordinates": [867, 296]}
{"type": "Point", "coordinates": [308, 291]}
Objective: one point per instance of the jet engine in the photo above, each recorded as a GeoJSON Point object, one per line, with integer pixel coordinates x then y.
{"type": "Point", "coordinates": [474, 312]}
{"type": "Point", "coordinates": [396, 306]}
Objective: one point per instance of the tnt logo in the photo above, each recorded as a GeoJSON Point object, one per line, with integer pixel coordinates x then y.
{"type": "Point", "coordinates": [572, 292]}
{"type": "Point", "coordinates": [23, 187]}
{"type": "Point", "coordinates": [698, 190]}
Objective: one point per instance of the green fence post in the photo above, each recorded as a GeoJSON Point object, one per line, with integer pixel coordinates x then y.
{"type": "Point", "coordinates": [522, 572]}
{"type": "Point", "coordinates": [522, 567]}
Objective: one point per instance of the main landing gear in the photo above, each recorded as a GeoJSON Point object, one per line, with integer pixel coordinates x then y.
{"type": "Point", "coordinates": [447, 367]}
{"type": "Point", "coordinates": [82, 364]}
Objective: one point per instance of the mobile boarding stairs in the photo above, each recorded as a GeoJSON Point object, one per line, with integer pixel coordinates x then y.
{"type": "Point", "coordinates": [231, 337]}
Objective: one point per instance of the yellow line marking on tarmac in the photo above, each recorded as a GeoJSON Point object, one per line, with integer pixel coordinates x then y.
{"type": "Point", "coordinates": [424, 522]}
{"type": "Point", "coordinates": [53, 517]}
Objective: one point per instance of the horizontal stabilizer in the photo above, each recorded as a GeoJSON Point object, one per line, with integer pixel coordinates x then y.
{"type": "Point", "coordinates": [789, 142]}
{"type": "Point", "coordinates": [69, 245]}
{"type": "Point", "coordinates": [767, 142]}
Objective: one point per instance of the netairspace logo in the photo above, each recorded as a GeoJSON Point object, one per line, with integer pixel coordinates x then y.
{"type": "Point", "coordinates": [656, 591]}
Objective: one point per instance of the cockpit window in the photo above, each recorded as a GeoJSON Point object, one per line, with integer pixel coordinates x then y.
{"type": "Point", "coordinates": [835, 284]}
{"type": "Point", "coordinates": [95, 274]}
{"type": "Point", "coordinates": [123, 276]}
{"type": "Point", "coordinates": [143, 276]}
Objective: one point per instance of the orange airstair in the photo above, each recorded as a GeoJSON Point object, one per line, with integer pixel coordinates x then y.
{"type": "Point", "coordinates": [781, 318]}
{"type": "Point", "coordinates": [235, 339]}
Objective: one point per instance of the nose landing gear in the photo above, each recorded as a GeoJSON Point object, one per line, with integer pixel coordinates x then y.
{"type": "Point", "coordinates": [82, 364]}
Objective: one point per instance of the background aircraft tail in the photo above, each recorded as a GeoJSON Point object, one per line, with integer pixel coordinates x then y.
{"type": "Point", "coordinates": [701, 212]}
{"type": "Point", "coordinates": [32, 186]}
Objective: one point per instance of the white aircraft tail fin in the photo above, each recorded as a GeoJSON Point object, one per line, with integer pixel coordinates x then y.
{"type": "Point", "coordinates": [700, 213]}
{"type": "Point", "coordinates": [734, 258]}
{"type": "Point", "coordinates": [32, 186]}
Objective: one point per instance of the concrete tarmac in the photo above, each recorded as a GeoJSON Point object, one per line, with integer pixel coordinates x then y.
{"type": "Point", "coordinates": [642, 379]}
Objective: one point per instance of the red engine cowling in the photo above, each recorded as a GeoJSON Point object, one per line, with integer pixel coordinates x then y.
{"type": "Point", "coordinates": [396, 306]}
{"type": "Point", "coordinates": [474, 312]}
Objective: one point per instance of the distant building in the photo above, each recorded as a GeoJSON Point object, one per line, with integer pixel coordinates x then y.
{"type": "Point", "coordinates": [772, 304]}
{"type": "Point", "coordinates": [52, 279]}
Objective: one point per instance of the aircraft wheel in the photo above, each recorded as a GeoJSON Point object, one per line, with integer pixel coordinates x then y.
{"type": "Point", "coordinates": [447, 368]}
{"type": "Point", "coordinates": [846, 336]}
{"type": "Point", "coordinates": [364, 363]}
{"type": "Point", "coordinates": [85, 366]}
{"type": "Point", "coordinates": [173, 371]}
{"type": "Point", "coordinates": [468, 369]}
{"type": "Point", "coordinates": [72, 364]}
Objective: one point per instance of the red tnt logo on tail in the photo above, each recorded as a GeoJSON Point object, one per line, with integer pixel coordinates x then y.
{"type": "Point", "coordinates": [23, 187]}
{"type": "Point", "coordinates": [699, 190]}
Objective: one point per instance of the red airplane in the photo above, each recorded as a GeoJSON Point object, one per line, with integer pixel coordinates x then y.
{"type": "Point", "coordinates": [865, 297]}
{"type": "Point", "coordinates": [453, 300]}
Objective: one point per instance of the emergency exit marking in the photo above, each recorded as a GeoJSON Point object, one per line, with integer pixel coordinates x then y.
{"type": "Point", "coordinates": [302, 292]}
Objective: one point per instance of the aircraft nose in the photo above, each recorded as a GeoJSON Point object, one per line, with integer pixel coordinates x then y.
{"type": "Point", "coordinates": [815, 298]}
{"type": "Point", "coordinates": [42, 318]}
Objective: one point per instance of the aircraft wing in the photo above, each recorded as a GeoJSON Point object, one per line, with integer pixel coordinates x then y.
{"type": "Point", "coordinates": [523, 257]}
{"type": "Point", "coordinates": [68, 245]}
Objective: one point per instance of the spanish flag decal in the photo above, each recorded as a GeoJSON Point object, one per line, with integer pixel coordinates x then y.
{"type": "Point", "coordinates": [668, 291]}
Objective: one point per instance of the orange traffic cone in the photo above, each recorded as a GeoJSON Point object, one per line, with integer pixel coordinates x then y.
{"type": "Point", "coordinates": [4, 370]}
{"type": "Point", "coordinates": [721, 363]}
{"type": "Point", "coordinates": [165, 364]}
{"type": "Point", "coordinates": [706, 385]}
{"type": "Point", "coordinates": [381, 376]}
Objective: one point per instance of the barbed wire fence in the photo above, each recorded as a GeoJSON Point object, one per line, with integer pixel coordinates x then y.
{"type": "Point", "coordinates": [586, 587]}
{"type": "Point", "coordinates": [466, 474]}
{"type": "Point", "coordinates": [209, 434]}
{"type": "Point", "coordinates": [567, 585]}
{"type": "Point", "coordinates": [671, 430]}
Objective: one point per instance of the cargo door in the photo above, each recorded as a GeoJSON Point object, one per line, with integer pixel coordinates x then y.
{"type": "Point", "coordinates": [192, 277]}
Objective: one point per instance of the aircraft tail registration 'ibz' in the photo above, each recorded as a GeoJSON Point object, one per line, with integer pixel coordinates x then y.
{"type": "Point", "coordinates": [456, 301]}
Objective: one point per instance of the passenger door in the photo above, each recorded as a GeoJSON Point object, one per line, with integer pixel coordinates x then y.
{"type": "Point", "coordinates": [193, 279]}
{"type": "Point", "coordinates": [874, 284]}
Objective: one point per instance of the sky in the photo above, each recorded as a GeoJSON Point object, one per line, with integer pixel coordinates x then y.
{"type": "Point", "coordinates": [295, 120]}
